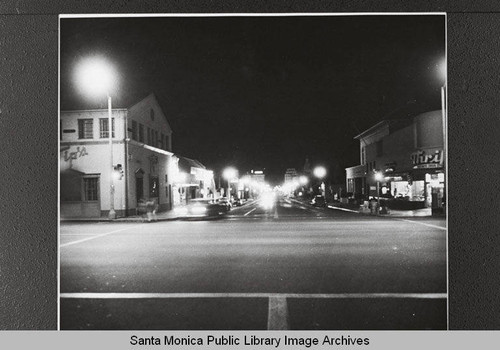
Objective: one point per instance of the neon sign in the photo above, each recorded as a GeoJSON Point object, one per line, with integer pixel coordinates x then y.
{"type": "Point", "coordinates": [422, 159]}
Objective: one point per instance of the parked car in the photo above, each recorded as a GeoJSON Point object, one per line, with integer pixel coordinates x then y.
{"type": "Point", "coordinates": [318, 201]}
{"type": "Point", "coordinates": [224, 202]}
{"type": "Point", "coordinates": [201, 208]}
{"type": "Point", "coordinates": [238, 202]}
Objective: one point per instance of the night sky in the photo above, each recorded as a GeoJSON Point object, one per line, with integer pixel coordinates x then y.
{"type": "Point", "coordinates": [265, 92]}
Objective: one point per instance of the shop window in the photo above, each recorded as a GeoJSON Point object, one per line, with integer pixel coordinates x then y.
{"type": "Point", "coordinates": [85, 129]}
{"type": "Point", "coordinates": [104, 127]}
{"type": "Point", "coordinates": [141, 133]}
{"type": "Point", "coordinates": [134, 130]}
{"type": "Point", "coordinates": [90, 188]}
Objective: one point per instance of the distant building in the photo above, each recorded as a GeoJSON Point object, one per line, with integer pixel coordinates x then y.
{"type": "Point", "coordinates": [142, 160]}
{"type": "Point", "coordinates": [410, 155]}
{"type": "Point", "coordinates": [291, 175]}
{"type": "Point", "coordinates": [258, 176]}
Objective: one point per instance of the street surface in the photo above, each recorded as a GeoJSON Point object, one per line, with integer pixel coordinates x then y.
{"type": "Point", "coordinates": [287, 267]}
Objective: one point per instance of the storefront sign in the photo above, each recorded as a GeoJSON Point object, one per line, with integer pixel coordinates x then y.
{"type": "Point", "coordinates": [70, 156]}
{"type": "Point", "coordinates": [424, 160]}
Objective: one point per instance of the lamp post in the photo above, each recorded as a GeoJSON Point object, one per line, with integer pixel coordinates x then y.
{"type": "Point", "coordinates": [378, 177]}
{"type": "Point", "coordinates": [229, 174]}
{"type": "Point", "coordinates": [112, 213]}
{"type": "Point", "coordinates": [320, 173]}
{"type": "Point", "coordinates": [95, 77]}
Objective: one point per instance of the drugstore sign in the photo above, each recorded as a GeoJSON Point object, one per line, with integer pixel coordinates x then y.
{"type": "Point", "coordinates": [427, 159]}
{"type": "Point", "coordinates": [70, 156]}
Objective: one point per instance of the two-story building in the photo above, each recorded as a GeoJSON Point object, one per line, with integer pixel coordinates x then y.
{"type": "Point", "coordinates": [409, 153]}
{"type": "Point", "coordinates": [141, 142]}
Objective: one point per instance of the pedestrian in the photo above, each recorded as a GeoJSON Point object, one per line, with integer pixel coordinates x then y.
{"type": "Point", "coordinates": [151, 208]}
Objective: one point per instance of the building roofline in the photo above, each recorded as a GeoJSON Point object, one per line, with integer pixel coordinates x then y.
{"type": "Point", "coordinates": [372, 129]}
{"type": "Point", "coordinates": [93, 110]}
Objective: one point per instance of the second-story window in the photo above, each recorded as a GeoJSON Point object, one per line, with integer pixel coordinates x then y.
{"type": "Point", "coordinates": [85, 129]}
{"type": "Point", "coordinates": [167, 143]}
{"type": "Point", "coordinates": [134, 130]}
{"type": "Point", "coordinates": [363, 155]}
{"type": "Point", "coordinates": [104, 127]}
{"type": "Point", "coordinates": [141, 133]}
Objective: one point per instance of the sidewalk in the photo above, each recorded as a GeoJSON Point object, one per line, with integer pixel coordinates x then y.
{"type": "Point", "coordinates": [163, 216]}
{"type": "Point", "coordinates": [425, 212]}
{"type": "Point", "coordinates": [356, 208]}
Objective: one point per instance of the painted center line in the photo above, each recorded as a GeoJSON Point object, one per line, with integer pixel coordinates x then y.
{"type": "Point", "coordinates": [250, 211]}
{"type": "Point", "coordinates": [97, 236]}
{"type": "Point", "coordinates": [253, 295]}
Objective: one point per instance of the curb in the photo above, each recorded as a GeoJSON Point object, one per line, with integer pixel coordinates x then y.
{"type": "Point", "coordinates": [121, 220]}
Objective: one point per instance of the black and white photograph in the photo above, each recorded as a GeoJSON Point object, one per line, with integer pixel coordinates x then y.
{"type": "Point", "coordinates": [253, 172]}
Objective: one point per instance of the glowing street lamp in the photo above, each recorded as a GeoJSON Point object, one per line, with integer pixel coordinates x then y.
{"type": "Point", "coordinates": [96, 77]}
{"type": "Point", "coordinates": [229, 174]}
{"type": "Point", "coordinates": [303, 180]}
{"type": "Point", "coordinates": [319, 172]}
{"type": "Point", "coordinates": [378, 177]}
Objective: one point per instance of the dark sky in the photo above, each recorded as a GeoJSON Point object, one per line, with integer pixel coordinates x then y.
{"type": "Point", "coordinates": [265, 92]}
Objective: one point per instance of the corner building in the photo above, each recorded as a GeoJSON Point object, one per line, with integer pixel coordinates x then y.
{"type": "Point", "coordinates": [142, 160]}
{"type": "Point", "coordinates": [410, 155]}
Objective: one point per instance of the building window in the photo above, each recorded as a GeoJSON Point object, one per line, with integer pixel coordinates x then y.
{"type": "Point", "coordinates": [363, 155]}
{"type": "Point", "coordinates": [380, 148]}
{"type": "Point", "coordinates": [90, 188]}
{"type": "Point", "coordinates": [152, 114]}
{"type": "Point", "coordinates": [149, 136]}
{"type": "Point", "coordinates": [156, 139]}
{"type": "Point", "coordinates": [85, 129]}
{"type": "Point", "coordinates": [104, 127]}
{"type": "Point", "coordinates": [167, 143]}
{"type": "Point", "coordinates": [134, 130]}
{"type": "Point", "coordinates": [141, 133]}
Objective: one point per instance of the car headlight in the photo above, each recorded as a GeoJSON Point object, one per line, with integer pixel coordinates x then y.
{"type": "Point", "coordinates": [199, 210]}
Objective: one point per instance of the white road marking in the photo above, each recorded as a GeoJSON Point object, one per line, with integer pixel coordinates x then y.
{"type": "Point", "coordinates": [250, 211]}
{"type": "Point", "coordinates": [96, 236]}
{"type": "Point", "coordinates": [277, 314]}
{"type": "Point", "coordinates": [425, 224]}
{"type": "Point", "coordinates": [343, 209]}
{"type": "Point", "coordinates": [253, 295]}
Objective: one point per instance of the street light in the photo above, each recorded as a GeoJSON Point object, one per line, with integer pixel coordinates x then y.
{"type": "Point", "coordinates": [320, 173]}
{"type": "Point", "coordinates": [229, 174]}
{"type": "Point", "coordinates": [378, 177]}
{"type": "Point", "coordinates": [95, 77]}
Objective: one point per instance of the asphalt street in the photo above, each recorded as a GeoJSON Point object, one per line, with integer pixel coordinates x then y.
{"type": "Point", "coordinates": [292, 266]}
